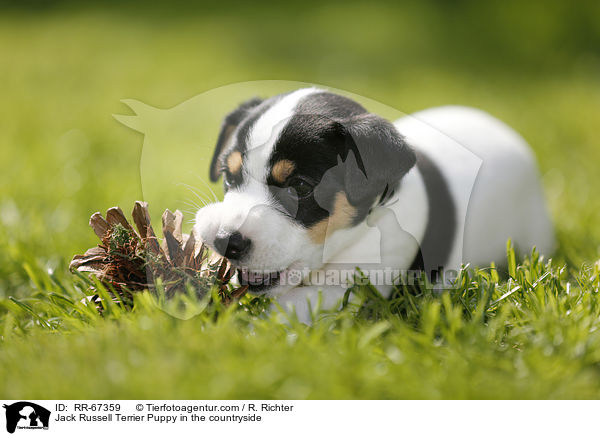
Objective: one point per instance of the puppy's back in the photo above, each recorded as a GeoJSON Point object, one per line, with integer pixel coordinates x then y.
{"type": "Point", "coordinates": [493, 177]}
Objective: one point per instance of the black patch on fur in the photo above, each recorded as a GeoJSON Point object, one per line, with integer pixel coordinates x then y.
{"type": "Point", "coordinates": [309, 141]}
{"type": "Point", "coordinates": [441, 220]}
{"type": "Point", "coordinates": [360, 153]}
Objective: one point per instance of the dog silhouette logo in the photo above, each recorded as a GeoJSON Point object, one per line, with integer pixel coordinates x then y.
{"type": "Point", "coordinates": [393, 235]}
{"type": "Point", "coordinates": [26, 415]}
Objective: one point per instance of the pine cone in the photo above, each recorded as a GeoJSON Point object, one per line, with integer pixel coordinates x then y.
{"type": "Point", "coordinates": [128, 261]}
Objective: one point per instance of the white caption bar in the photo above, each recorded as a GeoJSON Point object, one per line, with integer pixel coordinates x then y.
{"type": "Point", "coordinates": [254, 417]}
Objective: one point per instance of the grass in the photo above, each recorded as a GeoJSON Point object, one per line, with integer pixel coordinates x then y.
{"type": "Point", "coordinates": [534, 335]}
{"type": "Point", "coordinates": [531, 332]}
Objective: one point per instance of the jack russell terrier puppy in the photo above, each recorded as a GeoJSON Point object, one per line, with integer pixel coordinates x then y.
{"type": "Point", "coordinates": [316, 186]}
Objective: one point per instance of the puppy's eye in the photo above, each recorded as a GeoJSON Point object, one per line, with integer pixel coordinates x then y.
{"type": "Point", "coordinates": [227, 179]}
{"type": "Point", "coordinates": [300, 187]}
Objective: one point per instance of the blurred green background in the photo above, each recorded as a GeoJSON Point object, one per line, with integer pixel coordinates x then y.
{"type": "Point", "coordinates": [64, 67]}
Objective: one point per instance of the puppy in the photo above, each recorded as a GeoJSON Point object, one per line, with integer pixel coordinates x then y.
{"type": "Point", "coordinates": [316, 186]}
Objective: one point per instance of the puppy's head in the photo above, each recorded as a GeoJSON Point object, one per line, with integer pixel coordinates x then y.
{"type": "Point", "coordinates": [296, 168]}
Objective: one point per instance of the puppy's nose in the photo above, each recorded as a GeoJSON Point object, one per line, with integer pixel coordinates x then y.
{"type": "Point", "coordinates": [233, 246]}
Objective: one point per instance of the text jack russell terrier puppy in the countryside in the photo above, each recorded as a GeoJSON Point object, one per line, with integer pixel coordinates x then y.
{"type": "Point", "coordinates": [316, 186]}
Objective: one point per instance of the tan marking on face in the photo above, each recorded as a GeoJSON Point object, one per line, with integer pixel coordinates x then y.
{"type": "Point", "coordinates": [343, 213]}
{"type": "Point", "coordinates": [282, 170]}
{"type": "Point", "coordinates": [234, 162]}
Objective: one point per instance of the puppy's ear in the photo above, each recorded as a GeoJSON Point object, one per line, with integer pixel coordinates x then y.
{"type": "Point", "coordinates": [377, 157]}
{"type": "Point", "coordinates": [229, 124]}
